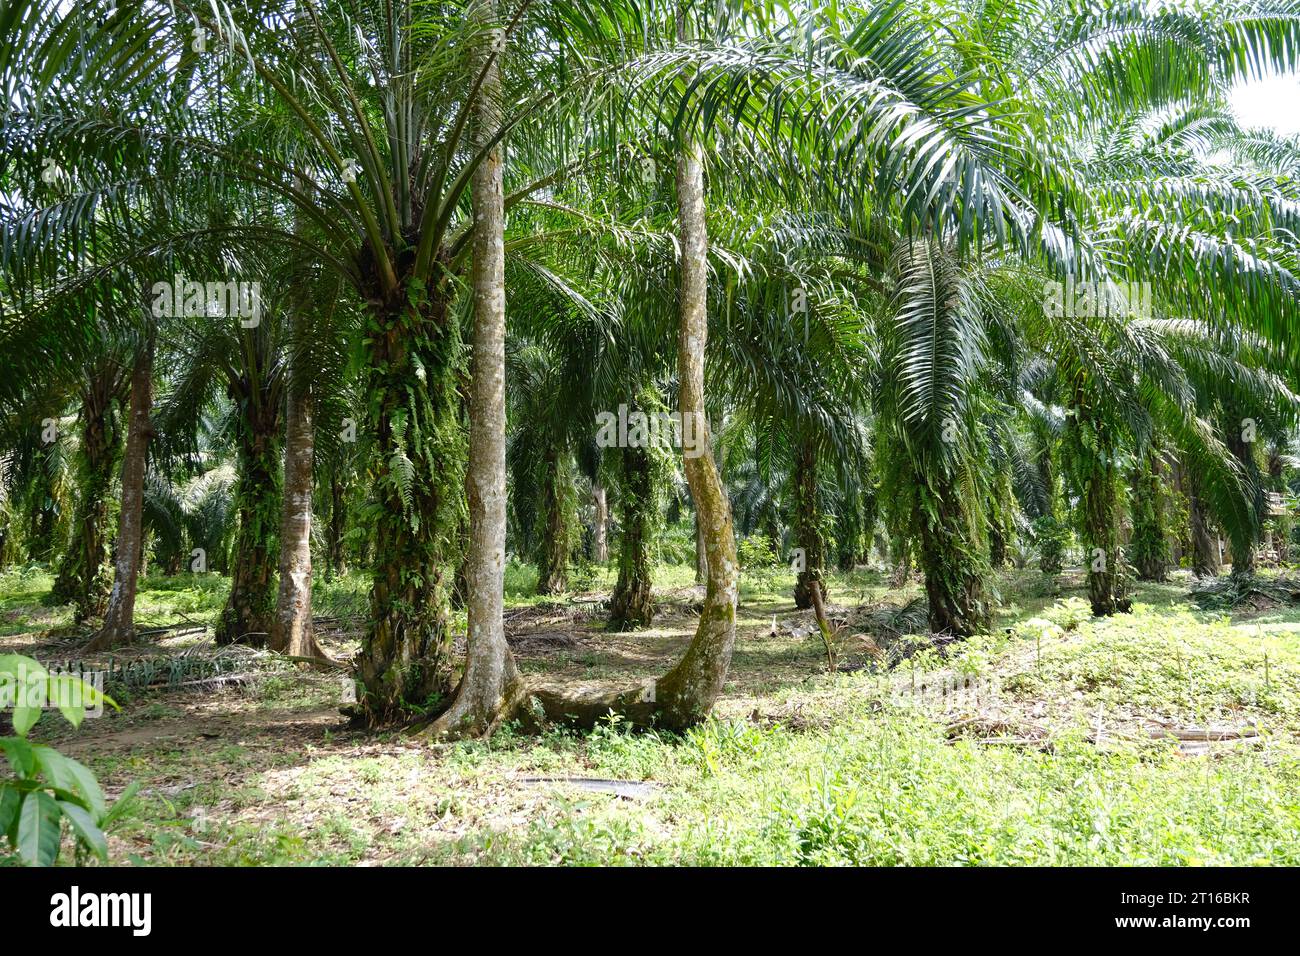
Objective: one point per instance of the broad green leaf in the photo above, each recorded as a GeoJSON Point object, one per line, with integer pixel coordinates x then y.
{"type": "Point", "coordinates": [66, 774]}
{"type": "Point", "coordinates": [10, 799]}
{"type": "Point", "coordinates": [19, 753]}
{"type": "Point", "coordinates": [85, 827]}
{"type": "Point", "coordinates": [73, 696]}
{"type": "Point", "coordinates": [21, 666]}
{"type": "Point", "coordinates": [38, 829]}
{"type": "Point", "coordinates": [25, 719]}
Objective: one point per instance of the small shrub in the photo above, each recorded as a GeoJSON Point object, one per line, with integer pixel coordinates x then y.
{"type": "Point", "coordinates": [48, 789]}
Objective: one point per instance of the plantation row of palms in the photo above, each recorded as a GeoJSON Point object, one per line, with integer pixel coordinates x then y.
{"type": "Point", "coordinates": [945, 279]}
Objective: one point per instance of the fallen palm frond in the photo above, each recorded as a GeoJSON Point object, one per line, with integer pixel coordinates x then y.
{"type": "Point", "coordinates": [1227, 593]}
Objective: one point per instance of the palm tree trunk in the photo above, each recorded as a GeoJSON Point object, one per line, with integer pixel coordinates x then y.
{"type": "Point", "coordinates": [86, 575]}
{"type": "Point", "coordinates": [250, 607]}
{"type": "Point", "coordinates": [553, 558]}
{"type": "Point", "coordinates": [44, 511]}
{"type": "Point", "coordinates": [701, 551]}
{"type": "Point", "coordinates": [807, 522]}
{"type": "Point", "coordinates": [1149, 547]}
{"type": "Point", "coordinates": [900, 556]}
{"type": "Point", "coordinates": [335, 559]}
{"type": "Point", "coordinates": [1101, 545]}
{"type": "Point", "coordinates": [848, 534]}
{"type": "Point", "coordinates": [952, 568]}
{"type": "Point", "coordinates": [600, 503]}
{"type": "Point", "coordinates": [685, 695]}
{"type": "Point", "coordinates": [1244, 542]}
{"type": "Point", "coordinates": [119, 618]}
{"type": "Point", "coordinates": [291, 628]}
{"type": "Point", "coordinates": [490, 673]}
{"type": "Point", "coordinates": [1101, 548]}
{"type": "Point", "coordinates": [631, 605]}
{"type": "Point", "coordinates": [405, 660]}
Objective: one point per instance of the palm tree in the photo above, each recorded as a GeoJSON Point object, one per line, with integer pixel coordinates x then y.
{"type": "Point", "coordinates": [373, 163]}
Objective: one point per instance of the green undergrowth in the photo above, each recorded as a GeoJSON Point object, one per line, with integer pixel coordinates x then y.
{"type": "Point", "coordinates": [798, 766]}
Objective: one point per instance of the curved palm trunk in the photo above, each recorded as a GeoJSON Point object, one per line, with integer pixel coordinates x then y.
{"type": "Point", "coordinates": [119, 618]}
{"type": "Point", "coordinates": [86, 574]}
{"type": "Point", "coordinates": [250, 606]}
{"type": "Point", "coordinates": [807, 523]}
{"type": "Point", "coordinates": [701, 551]}
{"type": "Point", "coordinates": [631, 605]}
{"type": "Point", "coordinates": [684, 695]}
{"type": "Point", "coordinates": [291, 628]}
{"type": "Point", "coordinates": [490, 673]}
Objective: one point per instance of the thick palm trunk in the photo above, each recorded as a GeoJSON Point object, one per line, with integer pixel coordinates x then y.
{"type": "Point", "coordinates": [1001, 517]}
{"type": "Point", "coordinates": [86, 574]}
{"type": "Point", "coordinates": [900, 556]}
{"type": "Point", "coordinates": [490, 673]}
{"type": "Point", "coordinates": [631, 605]}
{"type": "Point", "coordinates": [1101, 548]}
{"type": "Point", "coordinates": [1149, 547]}
{"type": "Point", "coordinates": [951, 565]}
{"type": "Point", "coordinates": [291, 628]}
{"type": "Point", "coordinates": [600, 503]}
{"type": "Point", "coordinates": [119, 618]}
{"type": "Point", "coordinates": [997, 545]}
{"type": "Point", "coordinates": [404, 666]}
{"type": "Point", "coordinates": [807, 523]}
{"type": "Point", "coordinates": [553, 557]}
{"type": "Point", "coordinates": [44, 513]}
{"type": "Point", "coordinates": [1106, 586]}
{"type": "Point", "coordinates": [250, 607]}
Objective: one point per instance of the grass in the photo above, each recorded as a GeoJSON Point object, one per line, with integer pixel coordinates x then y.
{"type": "Point", "coordinates": [1051, 762]}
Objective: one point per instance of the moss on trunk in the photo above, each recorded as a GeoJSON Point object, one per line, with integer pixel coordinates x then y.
{"type": "Point", "coordinates": [250, 607]}
{"type": "Point", "coordinates": [417, 465]}
{"type": "Point", "coordinates": [631, 605]}
{"type": "Point", "coordinates": [952, 564]}
{"type": "Point", "coordinates": [85, 575]}
{"type": "Point", "coordinates": [1149, 546]}
{"type": "Point", "coordinates": [554, 547]}
{"type": "Point", "coordinates": [119, 618]}
{"type": "Point", "coordinates": [1090, 445]}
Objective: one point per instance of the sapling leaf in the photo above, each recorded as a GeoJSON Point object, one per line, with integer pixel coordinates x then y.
{"type": "Point", "coordinates": [39, 825]}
